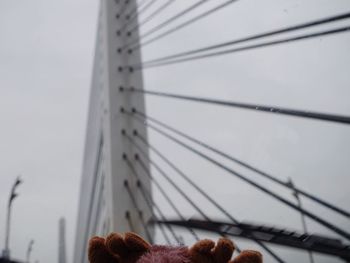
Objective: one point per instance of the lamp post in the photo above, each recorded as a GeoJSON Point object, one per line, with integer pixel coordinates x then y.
{"type": "Point", "coordinates": [29, 250]}
{"type": "Point", "coordinates": [13, 195]}
{"type": "Point", "coordinates": [303, 221]}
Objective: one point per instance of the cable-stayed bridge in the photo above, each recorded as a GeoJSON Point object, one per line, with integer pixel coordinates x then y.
{"type": "Point", "coordinates": [131, 184]}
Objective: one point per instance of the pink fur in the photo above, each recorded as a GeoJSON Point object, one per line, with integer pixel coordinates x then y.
{"type": "Point", "coordinates": [166, 254]}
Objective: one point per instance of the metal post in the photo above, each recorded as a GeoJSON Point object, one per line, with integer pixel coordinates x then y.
{"type": "Point", "coordinates": [13, 195]}
{"type": "Point", "coordinates": [303, 221]}
{"type": "Point", "coordinates": [29, 250]}
{"type": "Point", "coordinates": [119, 76]}
{"type": "Point", "coordinates": [62, 241]}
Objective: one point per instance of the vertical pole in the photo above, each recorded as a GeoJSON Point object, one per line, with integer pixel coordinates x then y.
{"type": "Point", "coordinates": [119, 76]}
{"type": "Point", "coordinates": [13, 195]}
{"type": "Point", "coordinates": [6, 251]}
{"type": "Point", "coordinates": [29, 250]}
{"type": "Point", "coordinates": [62, 241]}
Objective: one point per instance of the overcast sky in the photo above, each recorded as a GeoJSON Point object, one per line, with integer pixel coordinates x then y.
{"type": "Point", "coordinates": [46, 56]}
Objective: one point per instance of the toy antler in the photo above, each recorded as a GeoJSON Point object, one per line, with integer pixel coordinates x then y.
{"type": "Point", "coordinates": [131, 248]}
{"type": "Point", "coordinates": [248, 256]}
{"type": "Point", "coordinates": [98, 251]}
{"type": "Point", "coordinates": [116, 248]}
{"type": "Point", "coordinates": [205, 251]}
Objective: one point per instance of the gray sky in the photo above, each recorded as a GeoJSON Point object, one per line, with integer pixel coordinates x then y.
{"type": "Point", "coordinates": [46, 55]}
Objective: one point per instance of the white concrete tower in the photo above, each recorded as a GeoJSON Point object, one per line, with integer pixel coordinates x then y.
{"type": "Point", "coordinates": [104, 200]}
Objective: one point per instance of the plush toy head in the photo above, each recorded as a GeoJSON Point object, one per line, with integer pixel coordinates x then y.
{"type": "Point", "coordinates": [131, 248]}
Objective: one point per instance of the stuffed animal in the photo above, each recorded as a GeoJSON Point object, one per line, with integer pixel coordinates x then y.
{"type": "Point", "coordinates": [131, 248]}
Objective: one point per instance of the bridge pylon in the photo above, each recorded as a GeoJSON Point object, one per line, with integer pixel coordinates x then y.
{"type": "Point", "coordinates": [105, 202]}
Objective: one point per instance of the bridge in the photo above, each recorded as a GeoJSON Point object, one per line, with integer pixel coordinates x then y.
{"type": "Point", "coordinates": [131, 183]}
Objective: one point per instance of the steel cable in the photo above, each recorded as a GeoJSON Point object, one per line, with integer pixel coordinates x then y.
{"type": "Point", "coordinates": [266, 248]}
{"type": "Point", "coordinates": [151, 204]}
{"type": "Point", "coordinates": [132, 197]}
{"type": "Point", "coordinates": [132, 168]}
{"type": "Point", "coordinates": [162, 191]}
{"type": "Point", "coordinates": [256, 107]}
{"type": "Point", "coordinates": [248, 166]}
{"type": "Point", "coordinates": [152, 64]}
{"type": "Point", "coordinates": [314, 217]}
{"type": "Point", "coordinates": [152, 15]}
{"type": "Point", "coordinates": [132, 16]}
{"type": "Point", "coordinates": [182, 25]}
{"type": "Point", "coordinates": [254, 37]}
{"type": "Point", "coordinates": [167, 22]}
